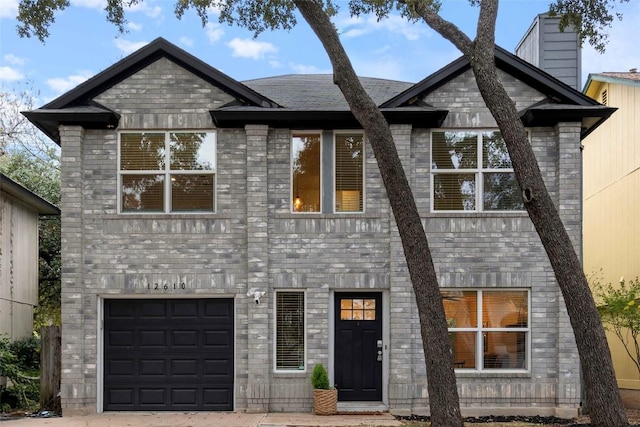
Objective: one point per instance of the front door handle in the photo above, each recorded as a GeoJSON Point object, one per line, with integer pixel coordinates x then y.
{"type": "Point", "coordinates": [379, 355]}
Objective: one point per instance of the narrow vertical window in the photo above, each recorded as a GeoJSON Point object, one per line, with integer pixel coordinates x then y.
{"type": "Point", "coordinates": [290, 324]}
{"type": "Point", "coordinates": [349, 172]}
{"type": "Point", "coordinates": [305, 165]}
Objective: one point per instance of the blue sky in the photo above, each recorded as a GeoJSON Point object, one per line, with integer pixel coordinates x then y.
{"type": "Point", "coordinates": [82, 43]}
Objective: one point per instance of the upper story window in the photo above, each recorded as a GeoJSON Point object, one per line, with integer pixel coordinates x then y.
{"type": "Point", "coordinates": [309, 166]}
{"type": "Point", "coordinates": [306, 171]}
{"type": "Point", "coordinates": [471, 171]}
{"type": "Point", "coordinates": [168, 172]}
{"type": "Point", "coordinates": [349, 172]}
{"type": "Point", "coordinates": [488, 329]}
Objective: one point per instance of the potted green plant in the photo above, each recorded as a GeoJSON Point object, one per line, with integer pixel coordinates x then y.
{"type": "Point", "coordinates": [325, 398]}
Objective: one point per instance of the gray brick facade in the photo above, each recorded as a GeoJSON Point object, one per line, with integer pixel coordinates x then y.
{"type": "Point", "coordinates": [254, 241]}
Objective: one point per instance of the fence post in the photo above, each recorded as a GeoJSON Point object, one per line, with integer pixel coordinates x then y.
{"type": "Point", "coordinates": [50, 367]}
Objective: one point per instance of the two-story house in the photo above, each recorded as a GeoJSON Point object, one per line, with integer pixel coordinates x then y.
{"type": "Point", "coordinates": [220, 238]}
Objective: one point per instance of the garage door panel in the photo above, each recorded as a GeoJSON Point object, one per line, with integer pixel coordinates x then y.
{"type": "Point", "coordinates": [153, 309]}
{"type": "Point", "coordinates": [153, 396]}
{"type": "Point", "coordinates": [168, 355]}
{"type": "Point", "coordinates": [182, 338]}
{"type": "Point", "coordinates": [122, 396]}
{"type": "Point", "coordinates": [185, 309]}
{"type": "Point", "coordinates": [152, 338]}
{"type": "Point", "coordinates": [153, 367]}
{"type": "Point", "coordinates": [217, 398]}
{"type": "Point", "coordinates": [220, 368]}
{"type": "Point", "coordinates": [184, 396]}
{"type": "Point", "coordinates": [218, 309]}
{"type": "Point", "coordinates": [120, 339]}
{"type": "Point", "coordinates": [185, 367]}
{"type": "Point", "coordinates": [120, 367]}
{"type": "Point", "coordinates": [220, 339]}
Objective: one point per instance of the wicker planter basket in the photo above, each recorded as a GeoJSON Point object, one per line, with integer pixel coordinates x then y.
{"type": "Point", "coordinates": [325, 402]}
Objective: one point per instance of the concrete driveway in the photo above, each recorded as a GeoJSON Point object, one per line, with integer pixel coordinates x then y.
{"type": "Point", "coordinates": [208, 419]}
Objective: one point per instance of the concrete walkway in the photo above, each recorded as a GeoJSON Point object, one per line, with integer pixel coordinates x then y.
{"type": "Point", "coordinates": [209, 419]}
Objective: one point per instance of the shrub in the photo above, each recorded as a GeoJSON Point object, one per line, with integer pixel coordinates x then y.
{"type": "Point", "coordinates": [619, 308]}
{"type": "Point", "coordinates": [19, 362]}
{"type": "Point", "coordinates": [319, 378]}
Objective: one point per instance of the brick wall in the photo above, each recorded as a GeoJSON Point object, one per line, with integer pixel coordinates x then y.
{"type": "Point", "coordinates": [254, 241]}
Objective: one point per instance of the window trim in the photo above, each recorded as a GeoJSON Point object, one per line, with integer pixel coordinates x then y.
{"type": "Point", "coordinates": [364, 171]}
{"type": "Point", "coordinates": [291, 189]}
{"type": "Point", "coordinates": [275, 332]}
{"type": "Point", "coordinates": [479, 329]}
{"type": "Point", "coordinates": [167, 172]}
{"type": "Point", "coordinates": [477, 172]}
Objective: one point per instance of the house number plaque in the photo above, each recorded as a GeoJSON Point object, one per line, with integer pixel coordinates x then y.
{"type": "Point", "coordinates": [165, 286]}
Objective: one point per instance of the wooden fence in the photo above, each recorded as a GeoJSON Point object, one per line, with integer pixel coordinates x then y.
{"type": "Point", "coordinates": [50, 368]}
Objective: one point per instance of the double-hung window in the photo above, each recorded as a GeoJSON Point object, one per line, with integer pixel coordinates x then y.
{"type": "Point", "coordinates": [488, 329]}
{"type": "Point", "coordinates": [471, 171]}
{"type": "Point", "coordinates": [290, 331]}
{"type": "Point", "coordinates": [170, 172]}
{"type": "Point", "coordinates": [309, 166]}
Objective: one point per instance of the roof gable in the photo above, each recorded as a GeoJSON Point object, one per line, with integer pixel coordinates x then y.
{"type": "Point", "coordinates": [563, 103]}
{"type": "Point", "coordinates": [148, 54]}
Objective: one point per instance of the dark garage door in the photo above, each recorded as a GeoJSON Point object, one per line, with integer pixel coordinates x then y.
{"type": "Point", "coordinates": [168, 354]}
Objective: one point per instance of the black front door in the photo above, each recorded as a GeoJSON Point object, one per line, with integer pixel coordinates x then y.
{"type": "Point", "coordinates": [358, 346]}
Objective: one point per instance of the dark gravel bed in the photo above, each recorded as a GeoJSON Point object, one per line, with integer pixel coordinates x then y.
{"type": "Point", "coordinates": [551, 421]}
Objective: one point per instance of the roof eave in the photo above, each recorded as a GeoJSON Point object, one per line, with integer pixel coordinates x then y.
{"type": "Point", "coordinates": [301, 119]}
{"type": "Point", "coordinates": [28, 197]}
{"type": "Point", "coordinates": [48, 121]}
{"type": "Point", "coordinates": [590, 118]}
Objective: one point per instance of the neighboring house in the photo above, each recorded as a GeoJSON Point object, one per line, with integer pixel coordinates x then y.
{"type": "Point", "coordinates": [19, 213]}
{"type": "Point", "coordinates": [611, 169]}
{"type": "Point", "coordinates": [221, 238]}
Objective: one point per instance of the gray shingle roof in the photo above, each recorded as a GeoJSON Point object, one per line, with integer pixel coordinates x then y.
{"type": "Point", "coordinates": [318, 92]}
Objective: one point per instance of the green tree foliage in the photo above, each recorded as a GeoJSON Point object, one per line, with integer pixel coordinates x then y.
{"type": "Point", "coordinates": [27, 157]}
{"type": "Point", "coordinates": [619, 308]}
{"type": "Point", "coordinates": [43, 178]}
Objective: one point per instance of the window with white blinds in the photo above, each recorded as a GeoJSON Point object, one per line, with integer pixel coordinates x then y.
{"type": "Point", "coordinates": [349, 174]}
{"type": "Point", "coordinates": [471, 171]}
{"type": "Point", "coordinates": [290, 331]}
{"type": "Point", "coordinates": [167, 172]}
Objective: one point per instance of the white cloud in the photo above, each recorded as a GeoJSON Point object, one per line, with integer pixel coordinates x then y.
{"type": "Point", "coordinates": [134, 26]}
{"type": "Point", "coordinates": [274, 63]}
{"type": "Point", "coordinates": [13, 60]}
{"type": "Point", "coordinates": [352, 27]}
{"type": "Point", "coordinates": [146, 8]}
{"type": "Point", "coordinates": [252, 49]}
{"type": "Point", "coordinates": [127, 46]}
{"type": "Point", "coordinates": [9, 74]}
{"type": "Point", "coordinates": [186, 41]}
{"type": "Point", "coordinates": [622, 41]}
{"type": "Point", "coordinates": [63, 84]}
{"type": "Point", "coordinates": [308, 69]}
{"type": "Point", "coordinates": [214, 32]}
{"type": "Point", "coordinates": [9, 9]}
{"type": "Point", "coordinates": [91, 4]}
